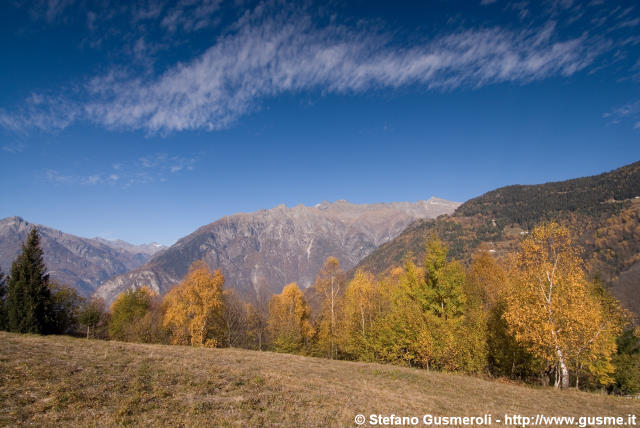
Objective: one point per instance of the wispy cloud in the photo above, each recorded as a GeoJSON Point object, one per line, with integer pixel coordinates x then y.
{"type": "Point", "coordinates": [14, 147]}
{"type": "Point", "coordinates": [149, 169]}
{"type": "Point", "coordinates": [161, 162]}
{"type": "Point", "coordinates": [189, 15]}
{"type": "Point", "coordinates": [41, 112]}
{"type": "Point", "coordinates": [56, 177]}
{"type": "Point", "coordinates": [234, 76]}
{"type": "Point", "coordinates": [50, 10]}
{"type": "Point", "coordinates": [629, 112]}
{"type": "Point", "coordinates": [268, 53]}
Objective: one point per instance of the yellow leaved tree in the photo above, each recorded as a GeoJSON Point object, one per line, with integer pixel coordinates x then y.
{"type": "Point", "coordinates": [329, 286]}
{"type": "Point", "coordinates": [365, 301]}
{"type": "Point", "coordinates": [487, 280]}
{"type": "Point", "coordinates": [554, 311]}
{"type": "Point", "coordinates": [289, 326]}
{"type": "Point", "coordinates": [194, 308]}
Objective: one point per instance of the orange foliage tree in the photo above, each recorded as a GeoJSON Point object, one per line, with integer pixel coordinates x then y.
{"type": "Point", "coordinates": [194, 308]}
{"type": "Point", "coordinates": [553, 309]}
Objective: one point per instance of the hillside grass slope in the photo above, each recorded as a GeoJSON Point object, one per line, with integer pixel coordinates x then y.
{"type": "Point", "coordinates": [56, 380]}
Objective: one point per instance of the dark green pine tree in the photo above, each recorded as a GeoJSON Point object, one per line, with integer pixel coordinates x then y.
{"type": "Point", "coordinates": [28, 295]}
{"type": "Point", "coordinates": [3, 307]}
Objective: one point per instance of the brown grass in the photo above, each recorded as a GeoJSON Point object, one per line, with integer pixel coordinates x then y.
{"type": "Point", "coordinates": [54, 381]}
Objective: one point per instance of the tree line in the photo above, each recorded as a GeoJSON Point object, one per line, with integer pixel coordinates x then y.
{"type": "Point", "coordinates": [534, 316]}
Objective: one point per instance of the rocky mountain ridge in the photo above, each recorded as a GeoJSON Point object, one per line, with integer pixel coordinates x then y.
{"type": "Point", "coordinates": [270, 248]}
{"type": "Point", "coordinates": [83, 263]}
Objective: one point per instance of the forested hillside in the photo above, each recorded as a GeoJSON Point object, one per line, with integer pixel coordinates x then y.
{"type": "Point", "coordinates": [528, 205]}
{"type": "Point", "coordinates": [601, 211]}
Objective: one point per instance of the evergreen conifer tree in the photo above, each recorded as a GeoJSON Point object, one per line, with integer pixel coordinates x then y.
{"type": "Point", "coordinates": [28, 295]}
{"type": "Point", "coordinates": [3, 306]}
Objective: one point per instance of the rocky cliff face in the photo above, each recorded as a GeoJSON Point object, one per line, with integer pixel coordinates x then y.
{"type": "Point", "coordinates": [271, 248]}
{"type": "Point", "coordinates": [80, 262]}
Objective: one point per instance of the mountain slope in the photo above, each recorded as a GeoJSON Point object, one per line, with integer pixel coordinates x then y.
{"type": "Point", "coordinates": [602, 211]}
{"type": "Point", "coordinates": [80, 262]}
{"type": "Point", "coordinates": [271, 248]}
{"type": "Point", "coordinates": [528, 205]}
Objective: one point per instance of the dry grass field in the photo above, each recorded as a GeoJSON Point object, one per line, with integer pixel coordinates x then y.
{"type": "Point", "coordinates": [64, 381]}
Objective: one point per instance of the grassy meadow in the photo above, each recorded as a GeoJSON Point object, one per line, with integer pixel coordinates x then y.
{"type": "Point", "coordinates": [59, 380]}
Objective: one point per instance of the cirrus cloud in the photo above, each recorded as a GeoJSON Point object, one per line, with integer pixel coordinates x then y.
{"type": "Point", "coordinates": [264, 55]}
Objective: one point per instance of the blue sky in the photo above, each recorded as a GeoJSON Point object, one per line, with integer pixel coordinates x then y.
{"type": "Point", "coordinates": [145, 120]}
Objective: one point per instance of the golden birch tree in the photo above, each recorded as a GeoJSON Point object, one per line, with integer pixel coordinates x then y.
{"type": "Point", "coordinates": [551, 306]}
{"type": "Point", "coordinates": [194, 308]}
{"type": "Point", "coordinates": [329, 285]}
{"type": "Point", "coordinates": [364, 302]}
{"type": "Point", "coordinates": [289, 325]}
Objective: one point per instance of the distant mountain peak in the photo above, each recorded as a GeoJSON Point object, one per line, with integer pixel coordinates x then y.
{"type": "Point", "coordinates": [83, 263]}
{"type": "Point", "coordinates": [147, 249]}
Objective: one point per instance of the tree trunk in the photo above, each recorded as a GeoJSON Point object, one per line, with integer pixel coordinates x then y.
{"type": "Point", "coordinates": [332, 318]}
{"type": "Point", "coordinates": [87, 332]}
{"type": "Point", "coordinates": [564, 372]}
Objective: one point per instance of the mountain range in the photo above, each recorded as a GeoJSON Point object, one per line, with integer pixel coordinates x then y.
{"type": "Point", "coordinates": [268, 249]}
{"type": "Point", "coordinates": [83, 263]}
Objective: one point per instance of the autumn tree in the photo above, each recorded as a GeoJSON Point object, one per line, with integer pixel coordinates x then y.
{"type": "Point", "coordinates": [194, 308]}
{"type": "Point", "coordinates": [289, 326]}
{"type": "Point", "coordinates": [329, 286]}
{"type": "Point", "coordinates": [395, 333]}
{"type": "Point", "coordinates": [28, 294]}
{"type": "Point", "coordinates": [487, 278]}
{"type": "Point", "coordinates": [150, 328]}
{"type": "Point", "coordinates": [454, 337]}
{"type": "Point", "coordinates": [553, 310]}
{"type": "Point", "coordinates": [487, 281]}
{"type": "Point", "coordinates": [127, 313]}
{"type": "Point", "coordinates": [591, 358]}
{"type": "Point", "coordinates": [364, 302]}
